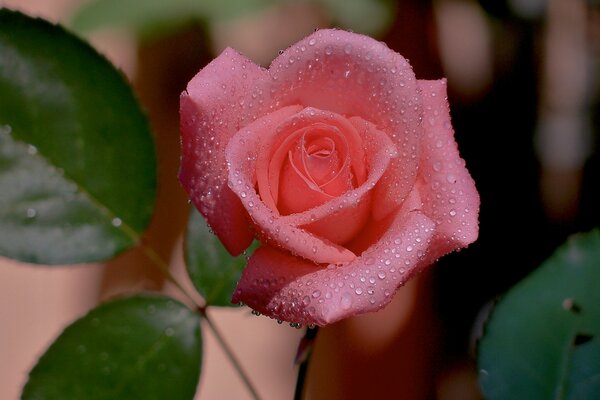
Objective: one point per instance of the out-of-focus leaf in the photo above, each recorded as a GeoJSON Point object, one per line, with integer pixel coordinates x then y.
{"type": "Point", "coordinates": [77, 163]}
{"type": "Point", "coordinates": [370, 17]}
{"type": "Point", "coordinates": [542, 340]}
{"type": "Point", "coordinates": [150, 17]}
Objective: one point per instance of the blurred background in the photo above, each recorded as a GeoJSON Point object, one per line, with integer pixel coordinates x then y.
{"type": "Point", "coordinates": [524, 90]}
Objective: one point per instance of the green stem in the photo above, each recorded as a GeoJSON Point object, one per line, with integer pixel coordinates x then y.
{"type": "Point", "coordinates": [166, 271]}
{"type": "Point", "coordinates": [229, 353]}
{"type": "Point", "coordinates": [163, 267]}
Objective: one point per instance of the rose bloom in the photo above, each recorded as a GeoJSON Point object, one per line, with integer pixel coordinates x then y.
{"type": "Point", "coordinates": [339, 161]}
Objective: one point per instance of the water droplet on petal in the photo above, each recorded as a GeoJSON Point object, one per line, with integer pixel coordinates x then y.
{"type": "Point", "coordinates": [346, 301]}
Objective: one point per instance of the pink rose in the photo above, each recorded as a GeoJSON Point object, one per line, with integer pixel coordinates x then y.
{"type": "Point", "coordinates": [339, 161]}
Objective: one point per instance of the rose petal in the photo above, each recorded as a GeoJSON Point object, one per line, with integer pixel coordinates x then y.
{"type": "Point", "coordinates": [378, 152]}
{"type": "Point", "coordinates": [288, 288]}
{"type": "Point", "coordinates": [297, 187]}
{"type": "Point", "coordinates": [448, 191]}
{"type": "Point", "coordinates": [297, 192]}
{"type": "Point", "coordinates": [341, 218]}
{"type": "Point", "coordinates": [242, 153]}
{"type": "Point", "coordinates": [355, 75]}
{"type": "Point", "coordinates": [217, 102]}
{"type": "Point", "coordinates": [270, 163]}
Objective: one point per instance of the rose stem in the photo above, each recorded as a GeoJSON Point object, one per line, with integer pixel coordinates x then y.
{"type": "Point", "coordinates": [304, 352]}
{"type": "Point", "coordinates": [163, 267]}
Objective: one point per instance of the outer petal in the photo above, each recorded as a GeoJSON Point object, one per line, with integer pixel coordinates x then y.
{"type": "Point", "coordinates": [285, 287]}
{"type": "Point", "coordinates": [355, 75]}
{"type": "Point", "coordinates": [218, 101]}
{"type": "Point", "coordinates": [447, 190]}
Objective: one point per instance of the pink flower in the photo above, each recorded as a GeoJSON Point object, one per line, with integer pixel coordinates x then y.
{"type": "Point", "coordinates": [339, 161]}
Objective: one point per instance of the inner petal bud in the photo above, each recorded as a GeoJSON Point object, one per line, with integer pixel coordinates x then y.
{"type": "Point", "coordinates": [317, 168]}
{"type": "Point", "coordinates": [320, 160]}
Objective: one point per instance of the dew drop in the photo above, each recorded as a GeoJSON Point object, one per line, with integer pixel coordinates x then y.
{"type": "Point", "coordinates": [381, 275]}
{"type": "Point", "coordinates": [31, 213]}
{"type": "Point", "coordinates": [346, 301]}
{"type": "Point", "coordinates": [312, 41]}
{"type": "Point", "coordinates": [358, 291]}
{"type": "Point", "coordinates": [116, 222]}
{"type": "Point", "coordinates": [452, 212]}
{"type": "Point", "coordinates": [316, 293]}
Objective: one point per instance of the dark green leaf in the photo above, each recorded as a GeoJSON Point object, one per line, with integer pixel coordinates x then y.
{"type": "Point", "coordinates": [142, 347]}
{"type": "Point", "coordinates": [542, 341]}
{"type": "Point", "coordinates": [213, 271]}
{"type": "Point", "coordinates": [77, 164]}
{"type": "Point", "coordinates": [154, 16]}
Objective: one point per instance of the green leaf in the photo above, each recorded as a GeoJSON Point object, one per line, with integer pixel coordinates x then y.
{"type": "Point", "coordinates": [213, 271]}
{"type": "Point", "coordinates": [542, 340]}
{"type": "Point", "coordinates": [77, 163]}
{"type": "Point", "coordinates": [156, 16]}
{"type": "Point", "coordinates": [370, 17]}
{"type": "Point", "coordinates": [141, 347]}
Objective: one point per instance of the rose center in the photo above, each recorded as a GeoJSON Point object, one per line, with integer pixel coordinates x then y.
{"type": "Point", "coordinates": [316, 168]}
{"type": "Point", "coordinates": [320, 159]}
